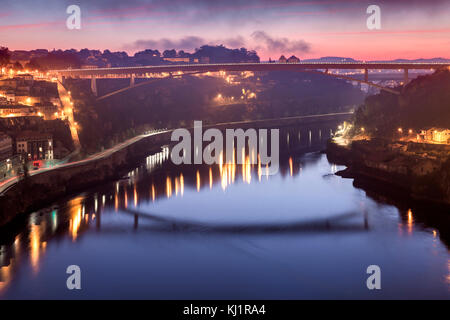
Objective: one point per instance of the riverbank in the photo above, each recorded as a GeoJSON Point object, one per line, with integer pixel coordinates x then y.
{"type": "Point", "coordinates": [418, 170]}
{"type": "Point", "coordinates": [40, 189]}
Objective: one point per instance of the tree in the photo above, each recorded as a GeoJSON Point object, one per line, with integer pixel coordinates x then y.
{"type": "Point", "coordinates": [25, 172]}
{"type": "Point", "coordinates": [57, 60]}
{"type": "Point", "coordinates": [33, 65]}
{"type": "Point", "coordinates": [221, 54]}
{"type": "Point", "coordinates": [170, 53]}
{"type": "Point", "coordinates": [4, 56]}
{"type": "Point", "coordinates": [423, 103]}
{"type": "Point", "coordinates": [18, 66]}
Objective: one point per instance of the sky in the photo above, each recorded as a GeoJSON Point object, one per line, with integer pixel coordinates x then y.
{"type": "Point", "coordinates": [410, 29]}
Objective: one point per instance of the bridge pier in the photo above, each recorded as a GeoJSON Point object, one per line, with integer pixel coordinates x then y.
{"type": "Point", "coordinates": [366, 75]}
{"type": "Point", "coordinates": [94, 85]}
{"type": "Point", "coordinates": [98, 220]}
{"type": "Point", "coordinates": [136, 222]}
{"type": "Point", "coordinates": [132, 80]}
{"type": "Point", "coordinates": [62, 79]}
{"type": "Point", "coordinates": [405, 76]}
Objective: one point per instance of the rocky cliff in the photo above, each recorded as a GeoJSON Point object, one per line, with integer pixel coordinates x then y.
{"type": "Point", "coordinates": [420, 170]}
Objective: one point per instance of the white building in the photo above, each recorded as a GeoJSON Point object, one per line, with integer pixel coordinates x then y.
{"type": "Point", "coordinates": [35, 145]}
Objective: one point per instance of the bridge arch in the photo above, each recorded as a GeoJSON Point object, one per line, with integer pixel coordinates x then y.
{"type": "Point", "coordinates": [179, 70]}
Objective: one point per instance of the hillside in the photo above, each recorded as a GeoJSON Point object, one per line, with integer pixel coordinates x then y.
{"type": "Point", "coordinates": [423, 103]}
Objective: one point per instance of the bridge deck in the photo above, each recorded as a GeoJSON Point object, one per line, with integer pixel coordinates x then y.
{"type": "Point", "coordinates": [301, 66]}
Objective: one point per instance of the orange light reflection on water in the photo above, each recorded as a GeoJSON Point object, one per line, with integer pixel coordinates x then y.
{"type": "Point", "coordinates": [182, 184]}
{"type": "Point", "coordinates": [210, 178]}
{"type": "Point", "coordinates": [410, 222]}
{"type": "Point", "coordinates": [198, 181]}
{"type": "Point", "coordinates": [168, 187]}
{"type": "Point", "coordinates": [75, 210]}
{"type": "Point", "coordinates": [135, 196]}
{"type": "Point", "coordinates": [291, 167]}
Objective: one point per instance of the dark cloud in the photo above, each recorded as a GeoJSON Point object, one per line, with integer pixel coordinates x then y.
{"type": "Point", "coordinates": [264, 40]}
{"type": "Point", "coordinates": [185, 43]}
{"type": "Point", "coordinates": [189, 42]}
{"type": "Point", "coordinates": [195, 11]}
{"type": "Point", "coordinates": [217, 6]}
{"type": "Point", "coordinates": [236, 42]}
{"type": "Point", "coordinates": [280, 44]}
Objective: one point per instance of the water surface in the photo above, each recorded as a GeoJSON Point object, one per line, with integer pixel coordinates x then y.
{"type": "Point", "coordinates": [230, 232]}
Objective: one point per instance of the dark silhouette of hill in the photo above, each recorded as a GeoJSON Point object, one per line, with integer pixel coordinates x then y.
{"type": "Point", "coordinates": [424, 102]}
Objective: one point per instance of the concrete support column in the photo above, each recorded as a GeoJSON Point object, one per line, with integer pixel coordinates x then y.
{"type": "Point", "coordinates": [136, 221]}
{"type": "Point", "coordinates": [405, 76]}
{"type": "Point", "coordinates": [132, 80]}
{"type": "Point", "coordinates": [94, 86]}
{"type": "Point", "coordinates": [62, 79]}
{"type": "Point", "coordinates": [366, 75]}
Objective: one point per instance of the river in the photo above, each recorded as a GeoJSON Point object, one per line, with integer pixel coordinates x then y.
{"type": "Point", "coordinates": [230, 232]}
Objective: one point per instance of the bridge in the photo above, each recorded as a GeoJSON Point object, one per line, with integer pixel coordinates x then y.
{"type": "Point", "coordinates": [185, 69]}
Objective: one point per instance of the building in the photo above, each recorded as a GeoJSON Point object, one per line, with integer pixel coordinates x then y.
{"type": "Point", "coordinates": [293, 59]}
{"type": "Point", "coordinates": [89, 66]}
{"type": "Point", "coordinates": [26, 99]}
{"type": "Point", "coordinates": [6, 147]}
{"type": "Point", "coordinates": [10, 96]}
{"type": "Point", "coordinates": [16, 110]}
{"type": "Point", "coordinates": [177, 59]}
{"type": "Point", "coordinates": [441, 135]}
{"type": "Point", "coordinates": [205, 60]}
{"type": "Point", "coordinates": [435, 135]}
{"type": "Point", "coordinates": [35, 145]}
{"type": "Point", "coordinates": [48, 110]}
{"type": "Point", "coordinates": [282, 59]}
{"type": "Point", "coordinates": [25, 77]}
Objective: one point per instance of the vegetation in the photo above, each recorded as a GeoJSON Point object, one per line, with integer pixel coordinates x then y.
{"type": "Point", "coordinates": [221, 54]}
{"type": "Point", "coordinates": [56, 60]}
{"type": "Point", "coordinates": [59, 59]}
{"type": "Point", "coordinates": [423, 103]}
{"type": "Point", "coordinates": [4, 56]}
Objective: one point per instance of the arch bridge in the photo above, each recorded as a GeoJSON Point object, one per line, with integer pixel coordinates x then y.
{"type": "Point", "coordinates": [400, 71]}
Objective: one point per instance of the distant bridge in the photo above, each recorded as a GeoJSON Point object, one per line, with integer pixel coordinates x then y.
{"type": "Point", "coordinates": [185, 69]}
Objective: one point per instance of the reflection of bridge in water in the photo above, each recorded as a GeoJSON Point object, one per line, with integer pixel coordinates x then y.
{"type": "Point", "coordinates": [313, 225]}
{"type": "Point", "coordinates": [317, 67]}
